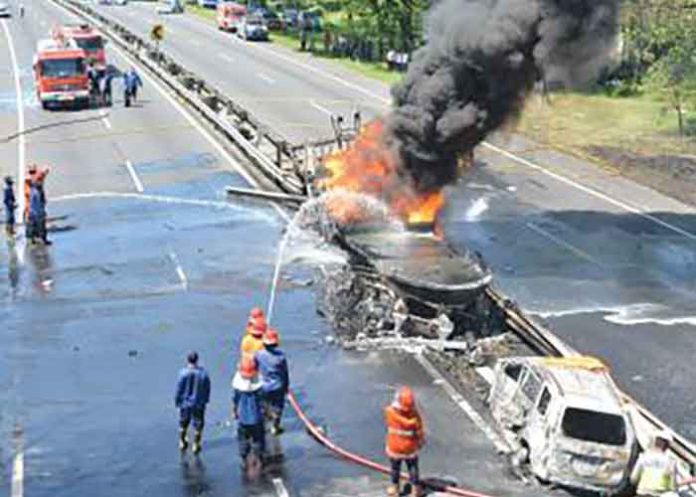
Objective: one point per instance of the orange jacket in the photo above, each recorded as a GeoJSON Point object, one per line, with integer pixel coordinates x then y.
{"type": "Point", "coordinates": [251, 345]}
{"type": "Point", "coordinates": [404, 433]}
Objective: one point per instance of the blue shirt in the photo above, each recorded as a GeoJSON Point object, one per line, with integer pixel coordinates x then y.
{"type": "Point", "coordinates": [274, 369]}
{"type": "Point", "coordinates": [193, 388]}
{"type": "Point", "coordinates": [37, 206]}
{"type": "Point", "coordinates": [131, 80]}
{"type": "Point", "coordinates": [246, 397]}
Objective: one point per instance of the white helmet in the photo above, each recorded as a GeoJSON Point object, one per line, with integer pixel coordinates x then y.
{"type": "Point", "coordinates": [665, 435]}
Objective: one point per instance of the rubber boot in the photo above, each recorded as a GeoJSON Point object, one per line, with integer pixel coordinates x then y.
{"type": "Point", "coordinates": [392, 491]}
{"type": "Point", "coordinates": [183, 443]}
{"type": "Point", "coordinates": [197, 438]}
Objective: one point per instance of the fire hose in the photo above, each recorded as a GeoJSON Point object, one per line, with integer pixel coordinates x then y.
{"type": "Point", "coordinates": [318, 434]}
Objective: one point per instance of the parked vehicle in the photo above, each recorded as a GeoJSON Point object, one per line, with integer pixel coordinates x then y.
{"type": "Point", "coordinates": [290, 16]}
{"type": "Point", "coordinates": [85, 37]}
{"type": "Point", "coordinates": [121, 2]}
{"type": "Point", "coordinates": [253, 28]}
{"type": "Point", "coordinates": [273, 21]}
{"type": "Point", "coordinates": [229, 16]}
{"type": "Point", "coordinates": [208, 4]}
{"type": "Point", "coordinates": [567, 416]}
{"type": "Point", "coordinates": [5, 10]}
{"type": "Point", "coordinates": [173, 7]}
{"type": "Point", "coordinates": [60, 74]}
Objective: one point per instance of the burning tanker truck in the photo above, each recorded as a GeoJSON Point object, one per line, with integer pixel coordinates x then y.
{"type": "Point", "coordinates": [481, 61]}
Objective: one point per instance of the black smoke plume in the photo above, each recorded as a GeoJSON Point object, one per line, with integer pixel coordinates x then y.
{"type": "Point", "coordinates": [481, 59]}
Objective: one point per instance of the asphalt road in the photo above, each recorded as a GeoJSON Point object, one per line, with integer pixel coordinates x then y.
{"type": "Point", "coordinates": [610, 264]}
{"type": "Point", "coordinates": [149, 261]}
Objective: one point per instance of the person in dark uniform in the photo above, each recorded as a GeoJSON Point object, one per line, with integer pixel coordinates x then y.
{"type": "Point", "coordinates": [192, 395]}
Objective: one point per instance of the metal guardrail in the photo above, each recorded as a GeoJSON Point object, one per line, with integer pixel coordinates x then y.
{"type": "Point", "coordinates": [248, 133]}
{"type": "Point", "coordinates": [273, 154]}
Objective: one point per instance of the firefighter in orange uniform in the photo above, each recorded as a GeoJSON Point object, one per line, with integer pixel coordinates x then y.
{"type": "Point", "coordinates": [253, 341]}
{"type": "Point", "coordinates": [404, 439]}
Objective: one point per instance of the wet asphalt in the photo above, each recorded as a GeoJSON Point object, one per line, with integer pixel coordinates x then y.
{"type": "Point", "coordinates": [96, 327]}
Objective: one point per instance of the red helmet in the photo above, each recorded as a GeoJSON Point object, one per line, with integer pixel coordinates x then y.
{"type": "Point", "coordinates": [258, 328]}
{"type": "Point", "coordinates": [247, 368]}
{"type": "Point", "coordinates": [405, 399]}
{"type": "Point", "coordinates": [271, 337]}
{"type": "Point", "coordinates": [256, 312]}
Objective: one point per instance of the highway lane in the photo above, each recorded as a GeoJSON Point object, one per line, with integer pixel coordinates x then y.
{"type": "Point", "coordinates": [599, 256]}
{"type": "Point", "coordinates": [95, 327]}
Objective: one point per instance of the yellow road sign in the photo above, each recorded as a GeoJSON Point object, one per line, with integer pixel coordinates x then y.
{"type": "Point", "coordinates": [157, 32]}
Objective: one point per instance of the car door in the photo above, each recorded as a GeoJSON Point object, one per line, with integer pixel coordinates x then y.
{"type": "Point", "coordinates": [510, 373]}
{"type": "Point", "coordinates": [537, 432]}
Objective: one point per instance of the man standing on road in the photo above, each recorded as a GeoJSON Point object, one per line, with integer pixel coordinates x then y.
{"type": "Point", "coordinates": [247, 410]}
{"type": "Point", "coordinates": [655, 472]}
{"type": "Point", "coordinates": [276, 380]}
{"type": "Point", "coordinates": [36, 225]}
{"type": "Point", "coordinates": [10, 204]}
{"type": "Point", "coordinates": [404, 439]}
{"type": "Point", "coordinates": [192, 395]}
{"type": "Point", "coordinates": [131, 82]}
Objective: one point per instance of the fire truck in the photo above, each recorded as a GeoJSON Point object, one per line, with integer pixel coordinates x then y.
{"type": "Point", "coordinates": [87, 38]}
{"type": "Point", "coordinates": [60, 74]}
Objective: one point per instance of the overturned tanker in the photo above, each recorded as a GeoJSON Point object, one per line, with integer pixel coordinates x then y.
{"type": "Point", "coordinates": [439, 291]}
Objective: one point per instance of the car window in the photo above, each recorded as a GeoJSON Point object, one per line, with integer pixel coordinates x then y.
{"type": "Point", "coordinates": [531, 386]}
{"type": "Point", "coordinates": [544, 401]}
{"type": "Point", "coordinates": [513, 371]}
{"type": "Point", "coordinates": [593, 426]}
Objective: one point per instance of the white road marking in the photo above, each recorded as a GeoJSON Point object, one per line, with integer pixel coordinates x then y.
{"type": "Point", "coordinates": [106, 122]}
{"type": "Point", "coordinates": [179, 270]}
{"type": "Point", "coordinates": [266, 78]}
{"type": "Point", "coordinates": [458, 399]}
{"type": "Point", "coordinates": [280, 489]}
{"type": "Point", "coordinates": [572, 248]}
{"type": "Point", "coordinates": [17, 485]}
{"type": "Point", "coordinates": [226, 57]}
{"type": "Point", "coordinates": [134, 176]}
{"type": "Point", "coordinates": [321, 108]}
{"type": "Point", "coordinates": [590, 191]}
{"type": "Point", "coordinates": [21, 139]}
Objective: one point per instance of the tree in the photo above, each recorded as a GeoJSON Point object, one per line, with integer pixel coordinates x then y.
{"type": "Point", "coordinates": [674, 74]}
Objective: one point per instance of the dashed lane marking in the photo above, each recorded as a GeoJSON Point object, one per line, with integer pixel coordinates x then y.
{"type": "Point", "coordinates": [459, 399]}
{"type": "Point", "coordinates": [266, 78]}
{"type": "Point", "coordinates": [179, 270]}
{"type": "Point", "coordinates": [226, 57]}
{"type": "Point", "coordinates": [280, 489]}
{"type": "Point", "coordinates": [134, 176]}
{"type": "Point", "coordinates": [17, 484]}
{"type": "Point", "coordinates": [321, 108]}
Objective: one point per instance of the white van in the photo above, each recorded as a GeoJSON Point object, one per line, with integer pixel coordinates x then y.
{"type": "Point", "coordinates": [567, 415]}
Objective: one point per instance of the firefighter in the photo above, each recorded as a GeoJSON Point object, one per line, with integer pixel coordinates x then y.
{"type": "Point", "coordinates": [247, 410]}
{"type": "Point", "coordinates": [253, 341]}
{"type": "Point", "coordinates": [655, 472]}
{"type": "Point", "coordinates": [131, 83]}
{"type": "Point", "coordinates": [256, 314]}
{"type": "Point", "coordinates": [404, 439]}
{"type": "Point", "coordinates": [36, 224]}
{"type": "Point", "coordinates": [192, 395]}
{"type": "Point", "coordinates": [10, 203]}
{"type": "Point", "coordinates": [276, 380]}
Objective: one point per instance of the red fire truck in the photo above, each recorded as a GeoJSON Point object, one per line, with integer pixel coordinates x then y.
{"type": "Point", "coordinates": [60, 74]}
{"type": "Point", "coordinates": [87, 38]}
{"type": "Point", "coordinates": [230, 15]}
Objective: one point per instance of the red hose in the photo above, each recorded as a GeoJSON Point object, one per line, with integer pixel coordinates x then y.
{"type": "Point", "coordinates": [349, 456]}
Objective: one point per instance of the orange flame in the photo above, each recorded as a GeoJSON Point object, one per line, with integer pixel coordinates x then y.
{"type": "Point", "coordinates": [368, 166]}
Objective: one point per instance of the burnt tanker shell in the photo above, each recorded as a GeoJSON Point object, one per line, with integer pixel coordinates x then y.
{"type": "Point", "coordinates": [421, 265]}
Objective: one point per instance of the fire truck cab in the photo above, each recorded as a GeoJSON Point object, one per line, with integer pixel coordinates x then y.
{"type": "Point", "coordinates": [60, 74]}
{"type": "Point", "coordinates": [229, 16]}
{"type": "Point", "coordinates": [85, 37]}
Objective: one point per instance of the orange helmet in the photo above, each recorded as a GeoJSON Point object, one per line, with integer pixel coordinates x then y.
{"type": "Point", "coordinates": [258, 328]}
{"type": "Point", "coordinates": [247, 368]}
{"type": "Point", "coordinates": [271, 337]}
{"type": "Point", "coordinates": [405, 399]}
